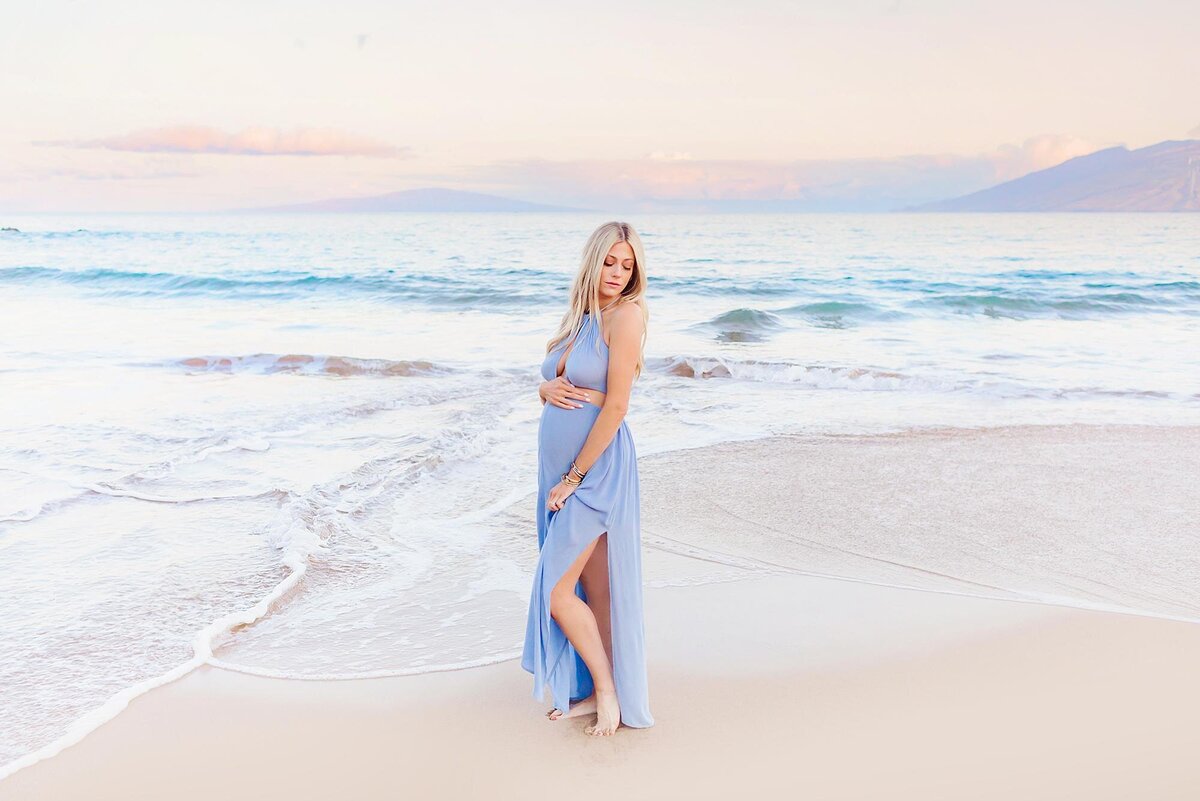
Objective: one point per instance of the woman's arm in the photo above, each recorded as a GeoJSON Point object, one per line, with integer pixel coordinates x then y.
{"type": "Point", "coordinates": [623, 351]}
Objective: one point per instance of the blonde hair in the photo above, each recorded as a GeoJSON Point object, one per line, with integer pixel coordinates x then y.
{"type": "Point", "coordinates": [585, 289]}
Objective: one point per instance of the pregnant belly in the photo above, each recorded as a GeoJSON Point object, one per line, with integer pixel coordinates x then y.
{"type": "Point", "coordinates": [562, 432]}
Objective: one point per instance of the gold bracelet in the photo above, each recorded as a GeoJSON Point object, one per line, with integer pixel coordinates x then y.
{"type": "Point", "coordinates": [575, 469]}
{"type": "Point", "coordinates": [566, 479]}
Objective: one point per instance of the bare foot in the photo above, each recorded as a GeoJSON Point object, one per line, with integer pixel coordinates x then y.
{"type": "Point", "coordinates": [585, 707]}
{"type": "Point", "coordinates": [608, 714]}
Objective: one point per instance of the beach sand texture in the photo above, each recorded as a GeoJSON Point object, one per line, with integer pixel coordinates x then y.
{"type": "Point", "coordinates": [783, 684]}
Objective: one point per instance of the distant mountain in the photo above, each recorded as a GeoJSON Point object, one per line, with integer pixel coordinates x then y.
{"type": "Point", "coordinates": [432, 199]}
{"type": "Point", "coordinates": [1162, 177]}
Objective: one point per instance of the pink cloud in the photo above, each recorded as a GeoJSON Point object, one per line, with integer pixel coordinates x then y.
{"type": "Point", "coordinates": [1037, 153]}
{"type": "Point", "coordinates": [249, 142]}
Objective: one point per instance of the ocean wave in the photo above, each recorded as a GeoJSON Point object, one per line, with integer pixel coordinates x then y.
{"type": "Point", "coordinates": [991, 303]}
{"type": "Point", "coordinates": [821, 377]}
{"type": "Point", "coordinates": [812, 376]}
{"type": "Point", "coordinates": [466, 285]}
{"type": "Point", "coordinates": [725, 261]}
{"type": "Point", "coordinates": [84, 492]}
{"type": "Point", "coordinates": [779, 285]}
{"type": "Point", "coordinates": [32, 512]}
{"type": "Point", "coordinates": [306, 527]}
{"type": "Point", "coordinates": [306, 364]}
{"type": "Point", "coordinates": [118, 492]}
{"type": "Point", "coordinates": [470, 288]}
{"type": "Point", "coordinates": [1017, 295]}
{"type": "Point", "coordinates": [841, 313]}
{"type": "Point", "coordinates": [1175, 285]}
{"type": "Point", "coordinates": [133, 484]}
{"type": "Point", "coordinates": [131, 234]}
{"type": "Point", "coordinates": [742, 325]}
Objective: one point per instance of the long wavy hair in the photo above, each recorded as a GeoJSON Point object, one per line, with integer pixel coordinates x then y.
{"type": "Point", "coordinates": [585, 289]}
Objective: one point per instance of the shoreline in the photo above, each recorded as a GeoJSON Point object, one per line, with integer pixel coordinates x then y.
{"type": "Point", "coordinates": [671, 504]}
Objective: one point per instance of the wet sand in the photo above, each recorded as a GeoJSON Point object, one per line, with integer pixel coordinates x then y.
{"type": "Point", "coordinates": [779, 683]}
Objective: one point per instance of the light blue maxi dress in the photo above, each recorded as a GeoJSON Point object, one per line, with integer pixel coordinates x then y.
{"type": "Point", "coordinates": [607, 500]}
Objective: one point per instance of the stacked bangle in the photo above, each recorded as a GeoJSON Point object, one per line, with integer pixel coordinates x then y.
{"type": "Point", "coordinates": [566, 477]}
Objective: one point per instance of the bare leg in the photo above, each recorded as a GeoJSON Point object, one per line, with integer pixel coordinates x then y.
{"type": "Point", "coordinates": [595, 585]}
{"type": "Point", "coordinates": [579, 624]}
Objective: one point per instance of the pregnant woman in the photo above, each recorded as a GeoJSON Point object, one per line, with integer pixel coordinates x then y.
{"type": "Point", "coordinates": [585, 635]}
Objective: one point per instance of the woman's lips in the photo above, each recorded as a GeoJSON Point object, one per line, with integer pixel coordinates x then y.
{"type": "Point", "coordinates": [610, 283]}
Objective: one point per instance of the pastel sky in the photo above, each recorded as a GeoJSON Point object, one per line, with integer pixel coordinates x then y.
{"type": "Point", "coordinates": [170, 106]}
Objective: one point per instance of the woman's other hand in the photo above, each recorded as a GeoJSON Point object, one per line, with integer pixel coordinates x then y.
{"type": "Point", "coordinates": [558, 495]}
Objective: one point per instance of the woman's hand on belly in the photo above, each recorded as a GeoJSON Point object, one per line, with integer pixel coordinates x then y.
{"type": "Point", "coordinates": [562, 393]}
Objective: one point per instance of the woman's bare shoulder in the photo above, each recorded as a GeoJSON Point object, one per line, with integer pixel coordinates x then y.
{"type": "Point", "coordinates": [628, 317]}
{"type": "Point", "coordinates": [625, 321]}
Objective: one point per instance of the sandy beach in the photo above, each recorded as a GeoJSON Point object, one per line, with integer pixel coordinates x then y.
{"type": "Point", "coordinates": [777, 682]}
{"type": "Point", "coordinates": [783, 685]}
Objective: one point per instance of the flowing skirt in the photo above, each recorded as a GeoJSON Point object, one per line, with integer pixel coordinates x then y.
{"type": "Point", "coordinates": [606, 501]}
